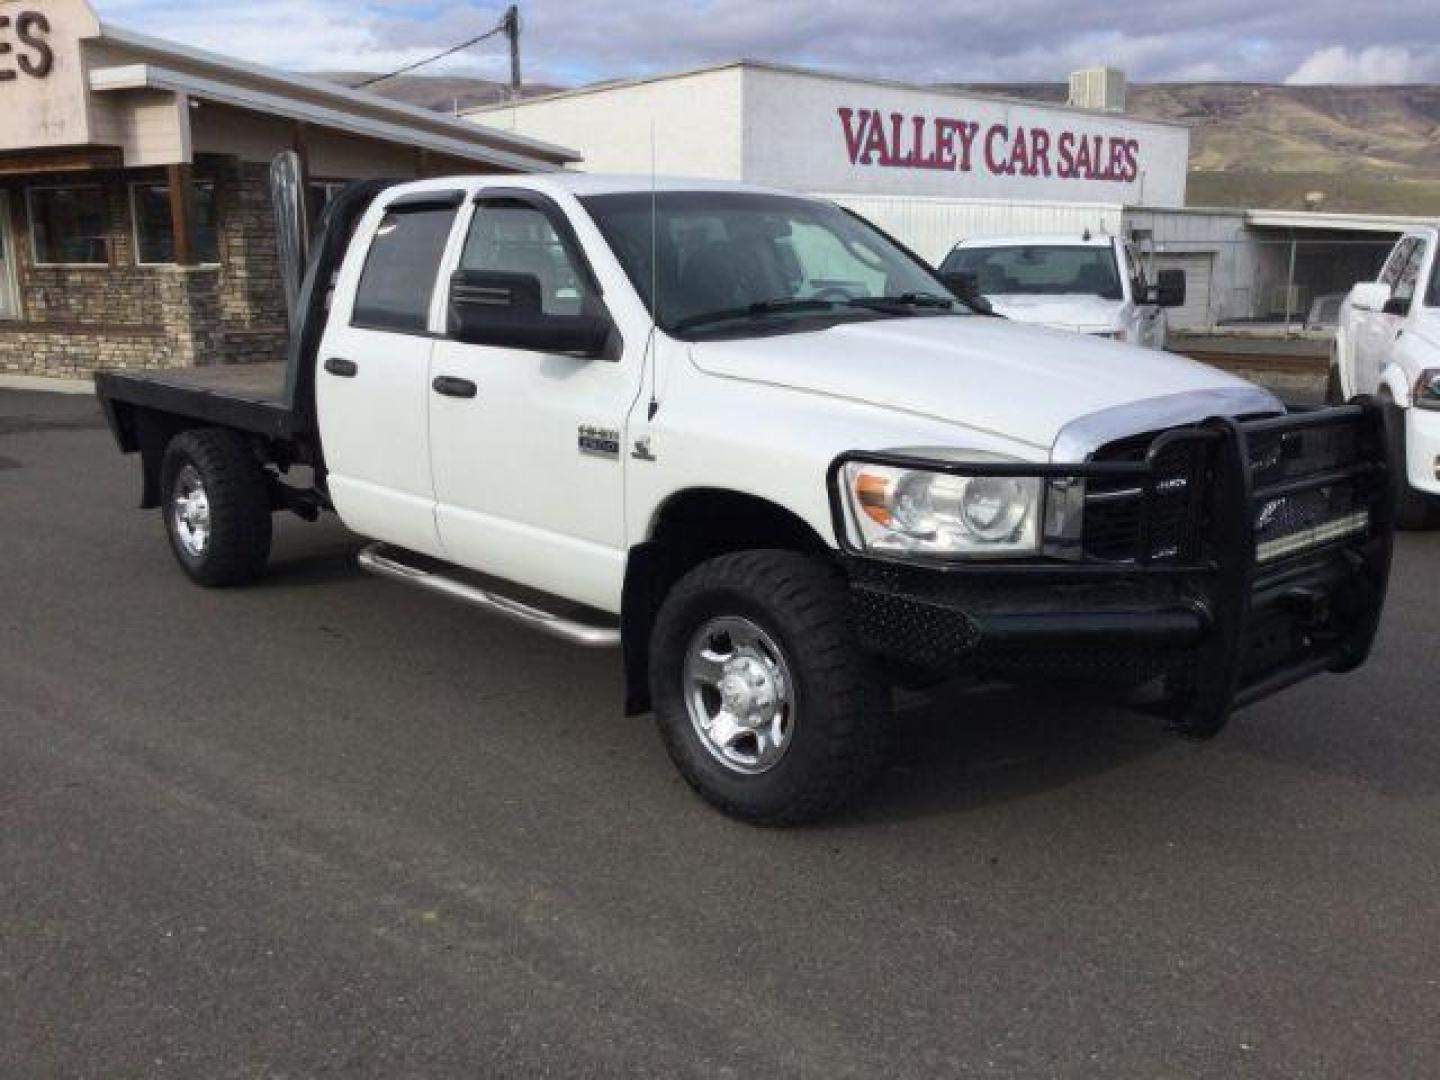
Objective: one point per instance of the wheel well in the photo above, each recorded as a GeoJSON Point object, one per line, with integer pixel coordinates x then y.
{"type": "Point", "coordinates": [151, 431]}
{"type": "Point", "coordinates": [689, 528]}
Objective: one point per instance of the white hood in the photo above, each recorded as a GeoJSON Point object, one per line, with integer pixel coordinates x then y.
{"type": "Point", "coordinates": [1018, 382]}
{"type": "Point", "coordinates": [1078, 311]}
{"type": "Point", "coordinates": [1427, 326]}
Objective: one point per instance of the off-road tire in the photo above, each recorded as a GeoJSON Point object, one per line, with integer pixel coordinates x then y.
{"type": "Point", "coordinates": [1413, 509]}
{"type": "Point", "coordinates": [841, 721]}
{"type": "Point", "coordinates": [235, 487]}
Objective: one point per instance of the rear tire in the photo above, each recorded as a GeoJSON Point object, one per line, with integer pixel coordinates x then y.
{"type": "Point", "coordinates": [216, 506]}
{"type": "Point", "coordinates": [766, 702]}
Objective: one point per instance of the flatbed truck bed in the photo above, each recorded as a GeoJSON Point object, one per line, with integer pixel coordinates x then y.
{"type": "Point", "coordinates": [249, 397]}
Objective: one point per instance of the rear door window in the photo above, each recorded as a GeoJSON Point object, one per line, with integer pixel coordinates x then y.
{"type": "Point", "coordinates": [401, 268]}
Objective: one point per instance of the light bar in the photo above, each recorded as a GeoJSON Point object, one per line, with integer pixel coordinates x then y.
{"type": "Point", "coordinates": [1349, 525]}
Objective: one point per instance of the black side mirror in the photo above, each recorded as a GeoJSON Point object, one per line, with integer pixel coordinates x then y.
{"type": "Point", "coordinates": [1396, 305]}
{"type": "Point", "coordinates": [490, 307]}
{"type": "Point", "coordinates": [1169, 290]}
{"type": "Point", "coordinates": [966, 287]}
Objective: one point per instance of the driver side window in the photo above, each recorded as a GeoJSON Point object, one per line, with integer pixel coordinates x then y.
{"type": "Point", "coordinates": [1410, 273]}
{"type": "Point", "coordinates": [1398, 258]}
{"type": "Point", "coordinates": [513, 238]}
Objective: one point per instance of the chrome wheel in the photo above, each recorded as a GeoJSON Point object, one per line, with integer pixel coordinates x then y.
{"type": "Point", "coordinates": [190, 512]}
{"type": "Point", "coordinates": [739, 695]}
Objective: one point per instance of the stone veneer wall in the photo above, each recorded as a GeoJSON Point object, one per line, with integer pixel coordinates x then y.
{"type": "Point", "coordinates": [77, 319]}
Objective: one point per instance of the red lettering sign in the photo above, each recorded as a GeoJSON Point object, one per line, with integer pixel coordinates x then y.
{"type": "Point", "coordinates": [945, 144]}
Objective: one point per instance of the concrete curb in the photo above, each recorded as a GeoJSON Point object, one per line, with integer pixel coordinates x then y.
{"type": "Point", "coordinates": [46, 384]}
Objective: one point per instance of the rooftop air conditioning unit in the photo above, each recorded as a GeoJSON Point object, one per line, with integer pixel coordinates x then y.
{"type": "Point", "coordinates": [1098, 88]}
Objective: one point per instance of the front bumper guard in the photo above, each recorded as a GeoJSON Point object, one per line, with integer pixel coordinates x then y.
{"type": "Point", "coordinates": [1216, 626]}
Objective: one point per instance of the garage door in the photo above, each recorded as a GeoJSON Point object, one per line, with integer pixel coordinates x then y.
{"type": "Point", "coordinates": [1195, 312]}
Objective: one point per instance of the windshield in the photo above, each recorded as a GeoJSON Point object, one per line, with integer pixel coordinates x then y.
{"type": "Point", "coordinates": [738, 263]}
{"type": "Point", "coordinates": [1040, 270]}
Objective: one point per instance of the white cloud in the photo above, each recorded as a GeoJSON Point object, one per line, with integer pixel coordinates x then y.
{"type": "Point", "coordinates": [1376, 64]}
{"type": "Point", "coordinates": [570, 41]}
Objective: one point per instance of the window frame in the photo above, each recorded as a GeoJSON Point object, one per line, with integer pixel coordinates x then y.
{"type": "Point", "coordinates": [131, 187]}
{"type": "Point", "coordinates": [30, 220]}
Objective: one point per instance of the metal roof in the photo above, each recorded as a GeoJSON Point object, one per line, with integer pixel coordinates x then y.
{"type": "Point", "coordinates": [1307, 219]}
{"type": "Point", "coordinates": [238, 82]}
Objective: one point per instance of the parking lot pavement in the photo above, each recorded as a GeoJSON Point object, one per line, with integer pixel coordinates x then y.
{"type": "Point", "coordinates": [328, 825]}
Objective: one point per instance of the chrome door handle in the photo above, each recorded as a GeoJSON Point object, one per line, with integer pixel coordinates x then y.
{"type": "Point", "coordinates": [450, 386]}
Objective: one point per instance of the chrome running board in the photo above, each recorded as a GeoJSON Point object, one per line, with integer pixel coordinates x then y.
{"type": "Point", "coordinates": [378, 559]}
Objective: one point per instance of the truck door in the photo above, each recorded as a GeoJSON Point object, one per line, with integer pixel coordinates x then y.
{"type": "Point", "coordinates": [372, 385]}
{"type": "Point", "coordinates": [529, 464]}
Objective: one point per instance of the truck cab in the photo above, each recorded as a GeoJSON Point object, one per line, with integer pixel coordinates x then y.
{"type": "Point", "coordinates": [1088, 284]}
{"type": "Point", "coordinates": [754, 444]}
{"type": "Point", "coordinates": [1387, 344]}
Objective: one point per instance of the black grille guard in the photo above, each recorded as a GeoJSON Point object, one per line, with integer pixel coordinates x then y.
{"type": "Point", "coordinates": [1227, 491]}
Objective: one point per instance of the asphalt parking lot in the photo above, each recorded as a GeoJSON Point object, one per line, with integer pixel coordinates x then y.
{"type": "Point", "coordinates": [331, 826]}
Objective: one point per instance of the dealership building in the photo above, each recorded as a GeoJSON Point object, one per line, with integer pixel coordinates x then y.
{"type": "Point", "coordinates": [136, 228]}
{"type": "Point", "coordinates": [933, 166]}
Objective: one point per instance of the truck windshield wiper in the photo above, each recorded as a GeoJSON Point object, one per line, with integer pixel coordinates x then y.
{"type": "Point", "coordinates": [902, 300]}
{"type": "Point", "coordinates": [758, 309]}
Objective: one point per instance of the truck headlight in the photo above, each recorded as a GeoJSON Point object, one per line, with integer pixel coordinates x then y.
{"type": "Point", "coordinates": [1427, 389]}
{"type": "Point", "coordinates": [913, 511]}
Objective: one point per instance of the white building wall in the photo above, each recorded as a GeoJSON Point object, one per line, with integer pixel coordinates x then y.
{"type": "Point", "coordinates": [696, 121]}
{"type": "Point", "coordinates": [931, 227]}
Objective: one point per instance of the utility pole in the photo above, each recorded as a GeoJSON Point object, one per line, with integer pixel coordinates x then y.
{"type": "Point", "coordinates": [511, 25]}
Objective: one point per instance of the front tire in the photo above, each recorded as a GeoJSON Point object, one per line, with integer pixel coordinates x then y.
{"type": "Point", "coordinates": [217, 507]}
{"type": "Point", "coordinates": [767, 704]}
{"type": "Point", "coordinates": [1413, 509]}
{"type": "Point", "coordinates": [1334, 393]}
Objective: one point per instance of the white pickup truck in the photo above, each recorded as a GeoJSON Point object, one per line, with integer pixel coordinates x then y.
{"type": "Point", "coordinates": [1089, 284]}
{"type": "Point", "coordinates": [753, 443]}
{"type": "Point", "coordinates": [1387, 344]}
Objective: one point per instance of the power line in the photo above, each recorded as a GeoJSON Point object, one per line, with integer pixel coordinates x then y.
{"type": "Point", "coordinates": [502, 27]}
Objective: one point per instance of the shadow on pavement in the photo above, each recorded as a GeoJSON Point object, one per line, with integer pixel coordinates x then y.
{"type": "Point", "coordinates": [964, 747]}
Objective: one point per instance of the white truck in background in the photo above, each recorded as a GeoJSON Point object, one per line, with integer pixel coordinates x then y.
{"type": "Point", "coordinates": [1088, 284]}
{"type": "Point", "coordinates": [754, 445]}
{"type": "Point", "coordinates": [1387, 345]}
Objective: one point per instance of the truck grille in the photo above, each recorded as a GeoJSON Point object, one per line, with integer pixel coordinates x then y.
{"type": "Point", "coordinates": [1305, 481]}
{"type": "Point", "coordinates": [1114, 526]}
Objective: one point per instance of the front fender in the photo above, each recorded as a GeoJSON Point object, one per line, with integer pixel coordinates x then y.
{"type": "Point", "coordinates": [1394, 378]}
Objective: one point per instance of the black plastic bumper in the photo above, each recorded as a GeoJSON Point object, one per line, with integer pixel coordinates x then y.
{"type": "Point", "coordinates": [1202, 617]}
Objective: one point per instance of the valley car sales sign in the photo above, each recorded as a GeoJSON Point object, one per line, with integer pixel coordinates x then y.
{"type": "Point", "coordinates": [897, 141]}
{"type": "Point", "coordinates": [847, 136]}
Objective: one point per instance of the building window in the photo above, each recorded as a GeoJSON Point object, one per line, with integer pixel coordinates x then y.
{"type": "Point", "coordinates": [154, 227]}
{"type": "Point", "coordinates": [69, 226]}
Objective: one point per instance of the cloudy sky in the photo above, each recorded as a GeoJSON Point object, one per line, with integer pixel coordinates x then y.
{"type": "Point", "coordinates": [572, 41]}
